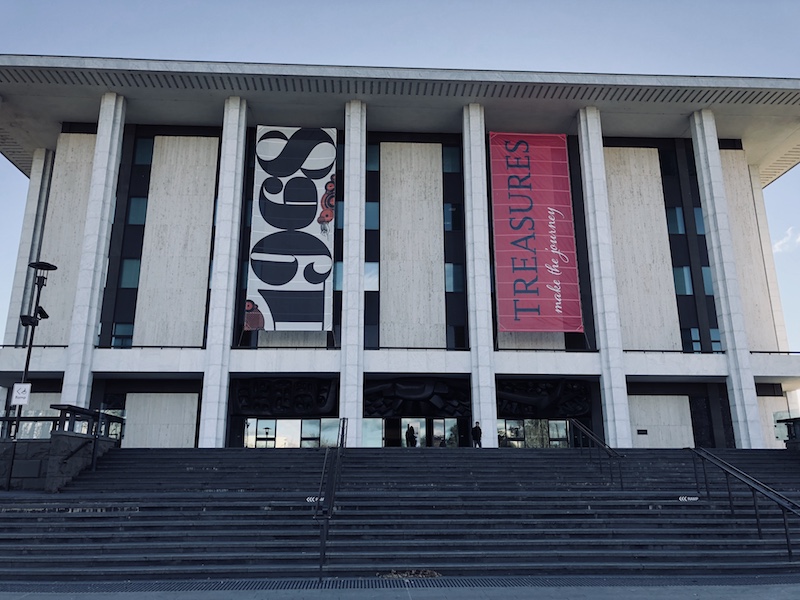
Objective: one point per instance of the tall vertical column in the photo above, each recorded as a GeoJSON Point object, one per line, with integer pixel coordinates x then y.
{"type": "Point", "coordinates": [730, 314]}
{"type": "Point", "coordinates": [221, 305]}
{"type": "Point", "coordinates": [351, 383]}
{"type": "Point", "coordinates": [479, 274]}
{"type": "Point", "coordinates": [616, 413]}
{"type": "Point", "coordinates": [77, 384]}
{"type": "Point", "coordinates": [30, 243]}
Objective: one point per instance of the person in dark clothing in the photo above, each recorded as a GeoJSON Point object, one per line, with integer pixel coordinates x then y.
{"type": "Point", "coordinates": [411, 437]}
{"type": "Point", "coordinates": [476, 435]}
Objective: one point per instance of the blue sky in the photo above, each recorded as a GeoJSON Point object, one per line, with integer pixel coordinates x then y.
{"type": "Point", "coordinates": [681, 37]}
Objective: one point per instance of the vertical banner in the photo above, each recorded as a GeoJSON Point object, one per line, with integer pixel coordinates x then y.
{"type": "Point", "coordinates": [289, 283]}
{"type": "Point", "coordinates": [536, 274]}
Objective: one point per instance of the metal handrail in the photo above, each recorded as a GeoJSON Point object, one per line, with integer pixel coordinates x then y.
{"type": "Point", "coordinates": [786, 505]}
{"type": "Point", "coordinates": [326, 497]}
{"type": "Point", "coordinates": [612, 456]}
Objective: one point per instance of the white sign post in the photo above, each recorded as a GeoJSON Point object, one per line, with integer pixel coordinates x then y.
{"type": "Point", "coordinates": [20, 394]}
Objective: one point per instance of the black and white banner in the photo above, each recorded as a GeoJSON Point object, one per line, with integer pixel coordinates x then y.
{"type": "Point", "coordinates": [290, 281]}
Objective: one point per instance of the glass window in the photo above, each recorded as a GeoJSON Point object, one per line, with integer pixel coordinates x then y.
{"type": "Point", "coordinates": [373, 157]}
{"type": "Point", "coordinates": [708, 284]}
{"type": "Point", "coordinates": [683, 281]}
{"type": "Point", "coordinates": [129, 273]}
{"type": "Point", "coordinates": [695, 334]}
{"type": "Point", "coordinates": [309, 433]}
{"type": "Point", "coordinates": [287, 434]}
{"type": "Point", "coordinates": [716, 342]}
{"type": "Point", "coordinates": [451, 159]}
{"type": "Point", "coordinates": [699, 223]}
{"type": "Point", "coordinates": [259, 433]}
{"type": "Point", "coordinates": [143, 153]}
{"type": "Point", "coordinates": [329, 432]}
{"type": "Point", "coordinates": [338, 276]}
{"type": "Point", "coordinates": [338, 215]}
{"type": "Point", "coordinates": [454, 277]}
{"type": "Point", "coordinates": [122, 335]}
{"type": "Point", "coordinates": [372, 433]}
{"type": "Point", "coordinates": [372, 217]}
{"type": "Point", "coordinates": [372, 277]}
{"type": "Point", "coordinates": [675, 223]}
{"type": "Point", "coordinates": [137, 210]}
{"type": "Point", "coordinates": [453, 217]}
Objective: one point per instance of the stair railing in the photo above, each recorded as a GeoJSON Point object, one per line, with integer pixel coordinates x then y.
{"type": "Point", "coordinates": [756, 487]}
{"type": "Point", "coordinates": [612, 457]}
{"type": "Point", "coordinates": [326, 496]}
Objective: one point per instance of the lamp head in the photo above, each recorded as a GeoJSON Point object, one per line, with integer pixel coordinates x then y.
{"type": "Point", "coordinates": [40, 265]}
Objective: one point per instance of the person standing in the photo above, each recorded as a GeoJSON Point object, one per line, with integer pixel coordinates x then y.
{"type": "Point", "coordinates": [476, 435]}
{"type": "Point", "coordinates": [411, 437]}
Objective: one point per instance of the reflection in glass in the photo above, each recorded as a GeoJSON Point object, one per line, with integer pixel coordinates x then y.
{"type": "Point", "coordinates": [373, 157]}
{"type": "Point", "coordinates": [137, 210]}
{"type": "Point", "coordinates": [683, 281]}
{"type": "Point", "coordinates": [372, 278]}
{"type": "Point", "coordinates": [129, 273]}
{"type": "Point", "coordinates": [338, 275]}
{"type": "Point", "coordinates": [419, 431]}
{"type": "Point", "coordinates": [451, 159]}
{"type": "Point", "coordinates": [287, 433]}
{"type": "Point", "coordinates": [698, 221]}
{"type": "Point", "coordinates": [708, 282]}
{"type": "Point", "coordinates": [372, 433]}
{"type": "Point", "coordinates": [675, 220]}
{"type": "Point", "coordinates": [329, 433]}
{"type": "Point", "coordinates": [372, 216]}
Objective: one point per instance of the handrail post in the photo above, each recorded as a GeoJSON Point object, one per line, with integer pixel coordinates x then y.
{"type": "Point", "coordinates": [694, 469]}
{"type": "Point", "coordinates": [758, 516]}
{"type": "Point", "coordinates": [730, 496]}
{"type": "Point", "coordinates": [786, 532]}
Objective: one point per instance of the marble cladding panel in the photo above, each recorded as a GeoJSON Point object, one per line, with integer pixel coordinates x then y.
{"type": "Point", "coordinates": [292, 339]}
{"type": "Point", "coordinates": [666, 419]}
{"type": "Point", "coordinates": [772, 408]}
{"type": "Point", "coordinates": [160, 420]}
{"type": "Point", "coordinates": [63, 233]}
{"type": "Point", "coordinates": [749, 254]}
{"type": "Point", "coordinates": [173, 280]}
{"type": "Point", "coordinates": [412, 311]}
{"type": "Point", "coordinates": [530, 340]}
{"type": "Point", "coordinates": [648, 310]}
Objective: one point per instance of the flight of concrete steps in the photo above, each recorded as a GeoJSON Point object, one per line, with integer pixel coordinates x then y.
{"type": "Point", "coordinates": [242, 513]}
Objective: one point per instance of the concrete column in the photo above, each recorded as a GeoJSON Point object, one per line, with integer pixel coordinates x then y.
{"type": "Point", "coordinates": [616, 412]}
{"type": "Point", "coordinates": [85, 323]}
{"type": "Point", "coordinates": [479, 274]}
{"type": "Point", "coordinates": [351, 382]}
{"type": "Point", "coordinates": [30, 243]}
{"type": "Point", "coordinates": [730, 314]}
{"type": "Point", "coordinates": [221, 307]}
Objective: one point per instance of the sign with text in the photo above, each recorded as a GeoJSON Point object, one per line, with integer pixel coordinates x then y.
{"type": "Point", "coordinates": [536, 272]}
{"type": "Point", "coordinates": [20, 394]}
{"type": "Point", "coordinates": [289, 284]}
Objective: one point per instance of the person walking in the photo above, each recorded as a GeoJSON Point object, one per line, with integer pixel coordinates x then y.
{"type": "Point", "coordinates": [476, 435]}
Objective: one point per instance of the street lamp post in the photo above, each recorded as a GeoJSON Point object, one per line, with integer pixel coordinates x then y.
{"type": "Point", "coordinates": [41, 269]}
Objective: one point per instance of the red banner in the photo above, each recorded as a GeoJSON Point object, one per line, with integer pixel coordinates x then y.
{"type": "Point", "coordinates": [536, 272]}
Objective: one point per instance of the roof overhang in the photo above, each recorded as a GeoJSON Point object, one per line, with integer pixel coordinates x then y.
{"type": "Point", "coordinates": [39, 93]}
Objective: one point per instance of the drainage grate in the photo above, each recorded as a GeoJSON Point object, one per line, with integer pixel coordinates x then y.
{"type": "Point", "coordinates": [379, 583]}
